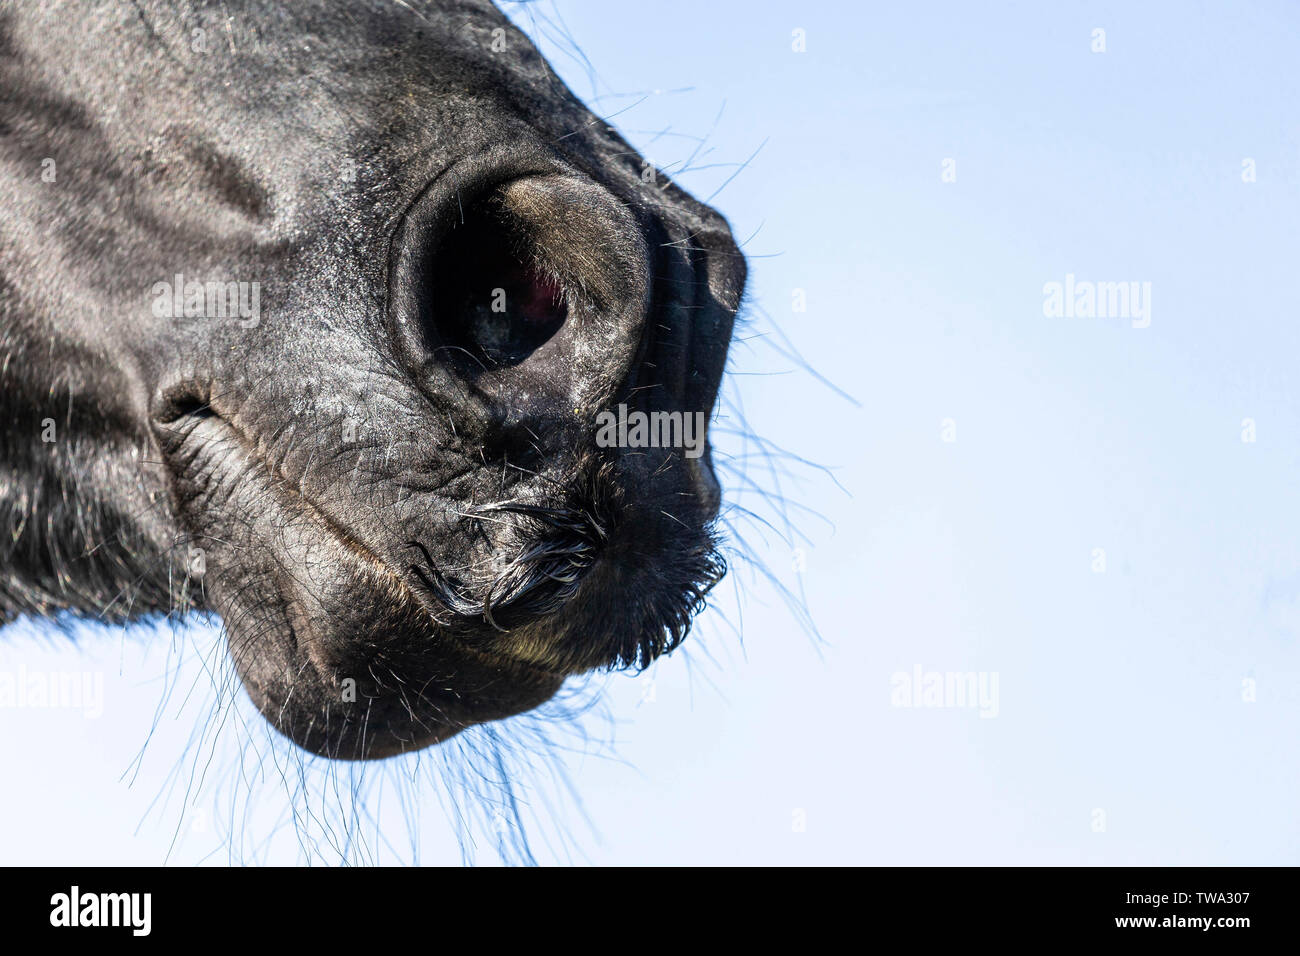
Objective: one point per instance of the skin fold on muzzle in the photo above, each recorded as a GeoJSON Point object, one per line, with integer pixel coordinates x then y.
{"type": "Point", "coordinates": [311, 316]}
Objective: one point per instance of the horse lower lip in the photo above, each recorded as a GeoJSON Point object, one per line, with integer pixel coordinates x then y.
{"type": "Point", "coordinates": [306, 609]}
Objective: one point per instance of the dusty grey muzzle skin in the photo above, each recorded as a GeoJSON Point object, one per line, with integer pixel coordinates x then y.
{"type": "Point", "coordinates": [381, 470]}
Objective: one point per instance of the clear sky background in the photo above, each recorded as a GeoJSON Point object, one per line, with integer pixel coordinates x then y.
{"type": "Point", "coordinates": [1098, 536]}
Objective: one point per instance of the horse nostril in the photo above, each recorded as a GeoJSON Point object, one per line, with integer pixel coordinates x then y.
{"type": "Point", "coordinates": [540, 297]}
{"type": "Point", "coordinates": [528, 288]}
{"type": "Point", "coordinates": [489, 299]}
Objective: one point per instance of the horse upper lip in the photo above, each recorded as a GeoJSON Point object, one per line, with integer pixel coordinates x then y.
{"type": "Point", "coordinates": [553, 587]}
{"type": "Point", "coordinates": [179, 435]}
{"type": "Point", "coordinates": [560, 546]}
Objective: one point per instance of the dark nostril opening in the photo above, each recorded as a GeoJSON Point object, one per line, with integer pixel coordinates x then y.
{"type": "Point", "coordinates": [488, 301]}
{"type": "Point", "coordinates": [530, 290]}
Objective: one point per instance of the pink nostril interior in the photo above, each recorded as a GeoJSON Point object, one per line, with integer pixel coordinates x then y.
{"type": "Point", "coordinates": [541, 300]}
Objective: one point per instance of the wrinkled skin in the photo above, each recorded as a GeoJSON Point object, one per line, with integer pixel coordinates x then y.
{"type": "Point", "coordinates": [391, 494]}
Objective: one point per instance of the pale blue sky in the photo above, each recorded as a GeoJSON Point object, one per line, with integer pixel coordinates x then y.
{"type": "Point", "coordinates": [1121, 734]}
